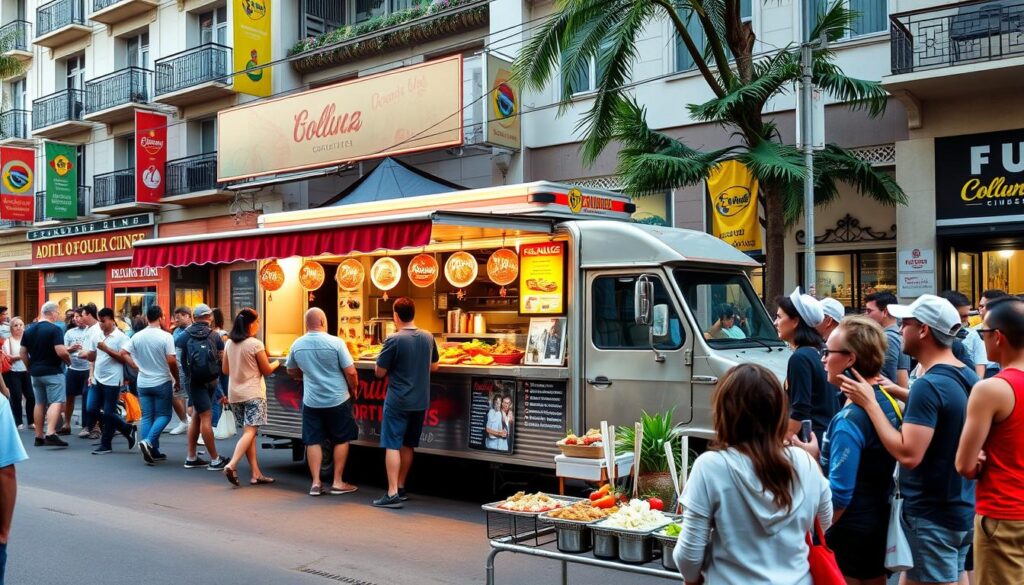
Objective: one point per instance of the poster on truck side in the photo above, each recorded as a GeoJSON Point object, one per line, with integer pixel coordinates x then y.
{"type": "Point", "coordinates": [542, 279]}
{"type": "Point", "coordinates": [17, 184]}
{"type": "Point", "coordinates": [492, 414]}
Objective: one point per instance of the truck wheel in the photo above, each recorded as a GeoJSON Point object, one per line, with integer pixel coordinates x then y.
{"type": "Point", "coordinates": [327, 464]}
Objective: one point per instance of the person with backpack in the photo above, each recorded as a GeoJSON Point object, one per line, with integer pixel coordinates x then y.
{"type": "Point", "coordinates": [938, 511]}
{"type": "Point", "coordinates": [201, 349]}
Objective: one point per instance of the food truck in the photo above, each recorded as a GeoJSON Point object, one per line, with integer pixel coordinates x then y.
{"type": "Point", "coordinates": [551, 309]}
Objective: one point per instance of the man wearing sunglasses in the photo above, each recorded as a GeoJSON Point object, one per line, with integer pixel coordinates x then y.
{"type": "Point", "coordinates": [992, 448]}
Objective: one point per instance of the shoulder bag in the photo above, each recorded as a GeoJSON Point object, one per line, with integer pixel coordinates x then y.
{"type": "Point", "coordinates": [824, 569]}
{"type": "Point", "coordinates": [5, 360]}
{"type": "Point", "coordinates": [898, 556]}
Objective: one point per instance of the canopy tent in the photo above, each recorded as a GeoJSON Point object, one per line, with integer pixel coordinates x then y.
{"type": "Point", "coordinates": [392, 179]}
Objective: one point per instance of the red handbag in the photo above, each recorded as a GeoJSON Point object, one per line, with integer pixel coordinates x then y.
{"type": "Point", "coordinates": [824, 569]}
{"type": "Point", "coordinates": [5, 362]}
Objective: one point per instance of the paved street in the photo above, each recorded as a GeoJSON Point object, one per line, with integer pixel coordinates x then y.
{"type": "Point", "coordinates": [81, 518]}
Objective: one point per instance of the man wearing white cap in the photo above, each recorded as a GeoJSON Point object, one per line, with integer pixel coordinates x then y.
{"type": "Point", "coordinates": [834, 312]}
{"type": "Point", "coordinates": [938, 510]}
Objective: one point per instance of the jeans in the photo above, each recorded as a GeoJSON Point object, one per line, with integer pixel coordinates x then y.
{"type": "Point", "coordinates": [156, 412]}
{"type": "Point", "coordinates": [217, 408]}
{"type": "Point", "coordinates": [111, 421]}
{"type": "Point", "coordinates": [3, 562]}
{"type": "Point", "coordinates": [76, 383]}
{"type": "Point", "coordinates": [20, 386]}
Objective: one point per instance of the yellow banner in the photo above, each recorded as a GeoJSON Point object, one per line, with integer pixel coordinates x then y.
{"type": "Point", "coordinates": [405, 110]}
{"type": "Point", "coordinates": [502, 125]}
{"type": "Point", "coordinates": [733, 197]}
{"type": "Point", "coordinates": [252, 50]}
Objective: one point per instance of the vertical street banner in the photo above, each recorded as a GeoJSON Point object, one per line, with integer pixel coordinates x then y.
{"type": "Point", "coordinates": [732, 191]}
{"type": "Point", "coordinates": [150, 156]}
{"type": "Point", "coordinates": [17, 184]}
{"type": "Point", "coordinates": [251, 20]}
{"type": "Point", "coordinates": [502, 125]}
{"type": "Point", "coordinates": [61, 181]}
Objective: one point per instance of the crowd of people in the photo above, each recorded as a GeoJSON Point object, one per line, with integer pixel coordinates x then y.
{"type": "Point", "coordinates": [904, 400]}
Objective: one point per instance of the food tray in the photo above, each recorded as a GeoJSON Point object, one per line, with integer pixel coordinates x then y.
{"type": "Point", "coordinates": [519, 527]}
{"type": "Point", "coordinates": [581, 451]}
{"type": "Point", "coordinates": [631, 546]}
{"type": "Point", "coordinates": [573, 536]}
{"type": "Point", "coordinates": [493, 506]}
{"type": "Point", "coordinates": [508, 359]}
{"type": "Point", "coordinates": [668, 545]}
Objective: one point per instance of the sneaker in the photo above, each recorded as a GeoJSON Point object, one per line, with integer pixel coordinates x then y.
{"type": "Point", "coordinates": [159, 457]}
{"type": "Point", "coordinates": [53, 441]}
{"type": "Point", "coordinates": [95, 435]}
{"type": "Point", "coordinates": [21, 427]}
{"type": "Point", "coordinates": [84, 434]}
{"type": "Point", "coordinates": [102, 451]}
{"type": "Point", "coordinates": [201, 441]}
{"type": "Point", "coordinates": [196, 463]}
{"type": "Point", "coordinates": [402, 495]}
{"type": "Point", "coordinates": [217, 464]}
{"type": "Point", "coordinates": [64, 432]}
{"type": "Point", "coordinates": [132, 435]}
{"type": "Point", "coordinates": [387, 501]}
{"type": "Point", "coordinates": [32, 426]}
{"type": "Point", "coordinates": [147, 452]}
{"type": "Point", "coordinates": [180, 429]}
{"type": "Point", "coordinates": [39, 442]}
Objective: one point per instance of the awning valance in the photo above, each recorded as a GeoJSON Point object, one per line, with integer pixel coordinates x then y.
{"type": "Point", "coordinates": [250, 245]}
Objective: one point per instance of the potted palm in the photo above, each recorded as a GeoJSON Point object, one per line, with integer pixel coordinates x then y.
{"type": "Point", "coordinates": [655, 478]}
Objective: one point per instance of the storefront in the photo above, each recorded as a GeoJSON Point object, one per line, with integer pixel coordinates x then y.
{"type": "Point", "coordinates": [18, 288]}
{"type": "Point", "coordinates": [86, 263]}
{"type": "Point", "coordinates": [131, 291]}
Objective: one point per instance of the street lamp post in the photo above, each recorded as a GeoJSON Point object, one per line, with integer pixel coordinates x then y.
{"type": "Point", "coordinates": [806, 127]}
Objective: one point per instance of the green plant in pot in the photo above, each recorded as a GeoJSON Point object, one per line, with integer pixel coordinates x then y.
{"type": "Point", "coordinates": [655, 478]}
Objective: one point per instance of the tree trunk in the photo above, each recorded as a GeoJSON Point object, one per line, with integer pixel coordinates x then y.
{"type": "Point", "coordinates": [774, 247]}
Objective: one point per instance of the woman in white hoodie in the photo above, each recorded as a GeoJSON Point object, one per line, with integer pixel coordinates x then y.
{"type": "Point", "coordinates": [750, 499]}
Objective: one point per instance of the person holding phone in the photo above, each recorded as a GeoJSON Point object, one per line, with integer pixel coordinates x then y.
{"type": "Point", "coordinates": [858, 467]}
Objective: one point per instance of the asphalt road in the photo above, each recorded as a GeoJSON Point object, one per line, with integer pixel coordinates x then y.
{"type": "Point", "coordinates": [82, 518]}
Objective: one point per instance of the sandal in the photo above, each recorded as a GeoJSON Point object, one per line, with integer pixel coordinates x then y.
{"type": "Point", "coordinates": [316, 490]}
{"type": "Point", "coordinates": [338, 491]}
{"type": "Point", "coordinates": [232, 476]}
{"type": "Point", "coordinates": [261, 480]}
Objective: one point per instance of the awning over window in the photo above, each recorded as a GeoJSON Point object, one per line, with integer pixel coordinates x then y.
{"type": "Point", "coordinates": [264, 244]}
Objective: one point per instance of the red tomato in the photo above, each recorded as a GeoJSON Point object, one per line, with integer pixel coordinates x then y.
{"type": "Point", "coordinates": [605, 502]}
{"type": "Point", "coordinates": [600, 492]}
{"type": "Point", "coordinates": [656, 504]}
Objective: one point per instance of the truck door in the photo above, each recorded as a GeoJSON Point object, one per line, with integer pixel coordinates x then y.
{"type": "Point", "coordinates": [622, 377]}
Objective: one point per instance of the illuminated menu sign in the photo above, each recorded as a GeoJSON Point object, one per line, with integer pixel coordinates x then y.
{"type": "Point", "coordinates": [542, 279]}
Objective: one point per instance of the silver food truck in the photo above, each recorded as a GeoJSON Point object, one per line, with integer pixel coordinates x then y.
{"type": "Point", "coordinates": [552, 310]}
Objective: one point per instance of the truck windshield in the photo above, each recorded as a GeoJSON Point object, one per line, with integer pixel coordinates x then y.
{"type": "Point", "coordinates": [727, 310]}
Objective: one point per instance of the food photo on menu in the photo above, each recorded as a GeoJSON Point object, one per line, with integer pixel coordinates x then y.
{"type": "Point", "coordinates": [545, 345]}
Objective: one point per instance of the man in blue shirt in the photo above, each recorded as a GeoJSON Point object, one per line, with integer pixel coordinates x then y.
{"type": "Point", "coordinates": [11, 452]}
{"type": "Point", "coordinates": [407, 359]}
{"type": "Point", "coordinates": [324, 366]}
{"type": "Point", "coordinates": [938, 502]}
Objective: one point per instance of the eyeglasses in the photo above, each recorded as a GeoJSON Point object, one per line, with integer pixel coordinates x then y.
{"type": "Point", "coordinates": [827, 352]}
{"type": "Point", "coordinates": [982, 332]}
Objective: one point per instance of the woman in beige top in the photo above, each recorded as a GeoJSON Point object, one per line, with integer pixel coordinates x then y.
{"type": "Point", "coordinates": [245, 363]}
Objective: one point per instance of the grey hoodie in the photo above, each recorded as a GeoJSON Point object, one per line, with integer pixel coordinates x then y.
{"type": "Point", "coordinates": [752, 541]}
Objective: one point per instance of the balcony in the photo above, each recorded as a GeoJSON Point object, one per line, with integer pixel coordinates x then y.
{"type": "Point", "coordinates": [14, 126]}
{"type": "Point", "coordinates": [957, 49]}
{"type": "Point", "coordinates": [113, 97]}
{"type": "Point", "coordinates": [14, 40]}
{"type": "Point", "coordinates": [41, 218]}
{"type": "Point", "coordinates": [110, 12]}
{"type": "Point", "coordinates": [197, 75]}
{"type": "Point", "coordinates": [8, 226]}
{"type": "Point", "coordinates": [59, 115]}
{"type": "Point", "coordinates": [193, 181]}
{"type": "Point", "coordinates": [61, 22]}
{"type": "Point", "coordinates": [114, 193]}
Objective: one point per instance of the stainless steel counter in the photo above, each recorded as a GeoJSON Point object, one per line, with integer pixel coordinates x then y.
{"type": "Point", "coordinates": [520, 371]}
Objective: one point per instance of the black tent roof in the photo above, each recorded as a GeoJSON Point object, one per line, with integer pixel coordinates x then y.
{"type": "Point", "coordinates": [392, 179]}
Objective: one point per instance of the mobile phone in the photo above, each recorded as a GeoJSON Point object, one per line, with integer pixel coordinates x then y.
{"type": "Point", "coordinates": [848, 372]}
{"type": "Point", "coordinates": [805, 431]}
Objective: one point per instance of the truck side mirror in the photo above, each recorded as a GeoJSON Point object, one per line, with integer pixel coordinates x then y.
{"type": "Point", "coordinates": [643, 297]}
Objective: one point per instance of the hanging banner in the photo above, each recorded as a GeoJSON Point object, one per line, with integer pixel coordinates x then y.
{"type": "Point", "coordinates": [252, 46]}
{"type": "Point", "coordinates": [150, 156]}
{"type": "Point", "coordinates": [17, 184]}
{"type": "Point", "coordinates": [61, 181]}
{"type": "Point", "coordinates": [733, 198]}
{"type": "Point", "coordinates": [501, 119]}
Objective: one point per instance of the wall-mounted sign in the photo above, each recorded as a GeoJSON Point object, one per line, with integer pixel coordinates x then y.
{"type": "Point", "coordinates": [503, 267]}
{"type": "Point", "coordinates": [916, 260]}
{"type": "Point", "coordinates": [61, 180]}
{"type": "Point", "coordinates": [385, 273]}
{"type": "Point", "coordinates": [91, 227]}
{"type": "Point", "coordinates": [915, 285]}
{"type": "Point", "coordinates": [124, 273]}
{"type": "Point", "coordinates": [252, 46]}
{"type": "Point", "coordinates": [461, 269]}
{"type": "Point", "coordinates": [150, 156]}
{"type": "Point", "coordinates": [542, 279]}
{"type": "Point", "coordinates": [271, 276]}
{"type": "Point", "coordinates": [502, 126]}
{"type": "Point", "coordinates": [423, 270]}
{"type": "Point", "coordinates": [404, 110]}
{"type": "Point", "coordinates": [732, 193]}
{"type": "Point", "coordinates": [979, 175]}
{"type": "Point", "coordinates": [243, 290]}
{"type": "Point", "coordinates": [350, 274]}
{"type": "Point", "coordinates": [17, 184]}
{"type": "Point", "coordinates": [311, 275]}
{"type": "Point", "coordinates": [90, 247]}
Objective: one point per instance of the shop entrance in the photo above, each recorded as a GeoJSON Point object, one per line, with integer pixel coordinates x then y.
{"type": "Point", "coordinates": [975, 262]}
{"type": "Point", "coordinates": [72, 288]}
{"type": "Point", "coordinates": [132, 303]}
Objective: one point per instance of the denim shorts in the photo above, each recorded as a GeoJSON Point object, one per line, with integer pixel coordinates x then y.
{"type": "Point", "coordinates": [939, 553]}
{"type": "Point", "coordinates": [49, 389]}
{"type": "Point", "coordinates": [401, 428]}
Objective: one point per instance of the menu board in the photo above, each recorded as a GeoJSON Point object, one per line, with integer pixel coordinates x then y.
{"type": "Point", "coordinates": [542, 279]}
{"type": "Point", "coordinates": [492, 414]}
{"type": "Point", "coordinates": [243, 290]}
{"type": "Point", "coordinates": [544, 404]}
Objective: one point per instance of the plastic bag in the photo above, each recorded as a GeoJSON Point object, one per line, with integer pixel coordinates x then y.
{"type": "Point", "coordinates": [226, 427]}
{"type": "Point", "coordinates": [897, 548]}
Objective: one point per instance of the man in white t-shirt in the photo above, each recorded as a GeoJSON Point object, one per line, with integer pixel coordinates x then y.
{"type": "Point", "coordinates": [151, 352]}
{"type": "Point", "coordinates": [78, 340]}
{"type": "Point", "coordinates": [108, 377]}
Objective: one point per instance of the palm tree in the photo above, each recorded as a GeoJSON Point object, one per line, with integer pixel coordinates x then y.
{"type": "Point", "coordinates": [607, 31]}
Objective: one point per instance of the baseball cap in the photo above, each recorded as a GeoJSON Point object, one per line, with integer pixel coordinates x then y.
{"type": "Point", "coordinates": [807, 307]}
{"type": "Point", "coordinates": [935, 312]}
{"type": "Point", "coordinates": [201, 310]}
{"type": "Point", "coordinates": [833, 308]}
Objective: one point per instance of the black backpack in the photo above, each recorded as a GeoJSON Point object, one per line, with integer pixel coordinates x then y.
{"type": "Point", "coordinates": [203, 365]}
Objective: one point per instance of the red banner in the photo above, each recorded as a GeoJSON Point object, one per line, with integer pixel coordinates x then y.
{"type": "Point", "coordinates": [17, 184]}
{"type": "Point", "coordinates": [150, 156]}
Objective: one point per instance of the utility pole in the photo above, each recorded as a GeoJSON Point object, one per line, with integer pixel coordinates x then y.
{"type": "Point", "coordinates": [807, 140]}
